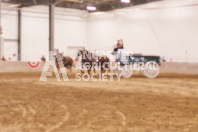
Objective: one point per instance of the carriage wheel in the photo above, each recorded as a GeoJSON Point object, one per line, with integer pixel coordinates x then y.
{"type": "Point", "coordinates": [127, 72]}
{"type": "Point", "coordinates": [151, 69]}
{"type": "Point", "coordinates": [117, 71]}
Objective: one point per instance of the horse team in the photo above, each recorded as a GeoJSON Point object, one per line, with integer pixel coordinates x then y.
{"type": "Point", "coordinates": [88, 61]}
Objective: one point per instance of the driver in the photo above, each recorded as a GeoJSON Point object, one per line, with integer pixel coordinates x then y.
{"type": "Point", "coordinates": [119, 45]}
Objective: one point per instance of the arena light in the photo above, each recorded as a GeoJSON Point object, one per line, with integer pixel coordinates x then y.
{"type": "Point", "coordinates": [125, 1]}
{"type": "Point", "coordinates": [91, 8]}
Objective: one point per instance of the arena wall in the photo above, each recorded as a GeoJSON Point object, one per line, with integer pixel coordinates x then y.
{"type": "Point", "coordinates": [149, 29]}
{"type": "Point", "coordinates": [15, 66]}
{"type": "Point", "coordinates": [70, 30]}
{"type": "Point", "coordinates": [170, 32]}
{"type": "Point", "coordinates": [180, 68]}
{"type": "Point", "coordinates": [10, 34]}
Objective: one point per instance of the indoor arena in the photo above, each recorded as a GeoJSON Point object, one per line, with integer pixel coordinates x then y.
{"type": "Point", "coordinates": [98, 65]}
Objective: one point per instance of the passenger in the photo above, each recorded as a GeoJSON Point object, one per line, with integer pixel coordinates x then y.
{"type": "Point", "coordinates": [120, 45]}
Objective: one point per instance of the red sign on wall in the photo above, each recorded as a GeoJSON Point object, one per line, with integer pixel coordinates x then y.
{"type": "Point", "coordinates": [33, 64]}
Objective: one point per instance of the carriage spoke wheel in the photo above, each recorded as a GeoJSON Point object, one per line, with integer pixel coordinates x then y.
{"type": "Point", "coordinates": [117, 71]}
{"type": "Point", "coordinates": [151, 69]}
{"type": "Point", "coordinates": [126, 72]}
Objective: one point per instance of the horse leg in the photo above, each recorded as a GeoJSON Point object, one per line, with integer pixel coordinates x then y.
{"type": "Point", "coordinates": [59, 72]}
{"type": "Point", "coordinates": [109, 70]}
{"type": "Point", "coordinates": [82, 70]}
{"type": "Point", "coordinates": [102, 70]}
{"type": "Point", "coordinates": [89, 71]}
{"type": "Point", "coordinates": [94, 69]}
{"type": "Point", "coordinates": [105, 68]}
{"type": "Point", "coordinates": [69, 69]}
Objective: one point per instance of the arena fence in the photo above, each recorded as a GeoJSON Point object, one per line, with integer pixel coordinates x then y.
{"type": "Point", "coordinates": [166, 67]}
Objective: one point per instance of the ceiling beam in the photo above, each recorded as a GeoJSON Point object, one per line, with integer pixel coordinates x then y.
{"type": "Point", "coordinates": [102, 5]}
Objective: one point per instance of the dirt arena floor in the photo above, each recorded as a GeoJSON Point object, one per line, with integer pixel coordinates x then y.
{"type": "Point", "coordinates": [168, 103]}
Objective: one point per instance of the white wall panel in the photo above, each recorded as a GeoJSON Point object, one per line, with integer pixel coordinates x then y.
{"type": "Point", "coordinates": [10, 34]}
{"type": "Point", "coordinates": [35, 32]}
{"type": "Point", "coordinates": [168, 32]}
{"type": "Point", "coordinates": [168, 28]}
{"type": "Point", "coordinates": [10, 48]}
{"type": "Point", "coordinates": [70, 31]}
{"type": "Point", "coordinates": [9, 24]}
